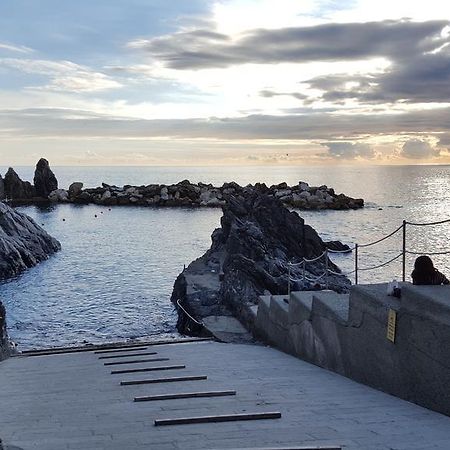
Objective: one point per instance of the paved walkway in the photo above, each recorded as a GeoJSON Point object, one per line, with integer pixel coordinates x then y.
{"type": "Point", "coordinates": [72, 401]}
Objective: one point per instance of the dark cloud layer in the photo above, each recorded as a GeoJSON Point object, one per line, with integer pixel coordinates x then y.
{"type": "Point", "coordinates": [199, 49]}
{"type": "Point", "coordinates": [314, 126]}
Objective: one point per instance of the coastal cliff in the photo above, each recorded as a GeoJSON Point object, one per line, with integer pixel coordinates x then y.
{"type": "Point", "coordinates": [23, 244]}
{"type": "Point", "coordinates": [249, 256]}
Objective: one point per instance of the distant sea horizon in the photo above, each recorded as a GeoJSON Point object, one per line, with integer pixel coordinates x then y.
{"type": "Point", "coordinates": [115, 274]}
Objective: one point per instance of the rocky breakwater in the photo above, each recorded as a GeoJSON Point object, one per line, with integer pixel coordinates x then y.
{"type": "Point", "coordinates": [185, 193]}
{"type": "Point", "coordinates": [249, 257]}
{"type": "Point", "coordinates": [23, 244]}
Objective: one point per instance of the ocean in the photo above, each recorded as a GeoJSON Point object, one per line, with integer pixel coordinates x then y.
{"type": "Point", "coordinates": [114, 276]}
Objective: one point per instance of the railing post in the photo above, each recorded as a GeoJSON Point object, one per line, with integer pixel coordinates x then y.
{"type": "Point", "coordinates": [326, 268]}
{"type": "Point", "coordinates": [289, 280]}
{"type": "Point", "coordinates": [304, 271]}
{"type": "Point", "coordinates": [356, 263]}
{"type": "Point", "coordinates": [404, 251]}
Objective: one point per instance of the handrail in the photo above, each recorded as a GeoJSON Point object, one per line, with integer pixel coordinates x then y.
{"type": "Point", "coordinates": [382, 239]}
{"type": "Point", "coordinates": [403, 253]}
{"type": "Point", "coordinates": [190, 317]}
{"type": "Point", "coordinates": [382, 264]}
{"type": "Point", "coordinates": [428, 223]}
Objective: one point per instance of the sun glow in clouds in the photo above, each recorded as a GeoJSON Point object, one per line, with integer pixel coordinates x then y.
{"type": "Point", "coordinates": [330, 80]}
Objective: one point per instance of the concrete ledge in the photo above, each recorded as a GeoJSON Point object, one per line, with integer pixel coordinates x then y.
{"type": "Point", "coordinates": [331, 305]}
{"type": "Point", "coordinates": [300, 305]}
{"type": "Point", "coordinates": [432, 302]}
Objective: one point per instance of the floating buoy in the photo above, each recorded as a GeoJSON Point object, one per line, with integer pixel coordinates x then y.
{"type": "Point", "coordinates": [109, 209]}
{"type": "Point", "coordinates": [64, 220]}
{"type": "Point", "coordinates": [95, 215]}
{"type": "Point", "coordinates": [101, 212]}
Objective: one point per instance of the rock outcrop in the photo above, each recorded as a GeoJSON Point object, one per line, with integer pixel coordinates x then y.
{"type": "Point", "coordinates": [23, 243]}
{"type": "Point", "coordinates": [185, 193]}
{"type": "Point", "coordinates": [4, 344]}
{"type": "Point", "coordinates": [16, 189]}
{"type": "Point", "coordinates": [44, 179]}
{"type": "Point", "coordinates": [249, 256]}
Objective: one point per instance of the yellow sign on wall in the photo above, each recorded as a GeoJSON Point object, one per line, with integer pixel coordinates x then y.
{"type": "Point", "coordinates": [391, 325]}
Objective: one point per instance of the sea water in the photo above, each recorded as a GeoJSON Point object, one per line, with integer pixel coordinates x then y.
{"type": "Point", "coordinates": [113, 278]}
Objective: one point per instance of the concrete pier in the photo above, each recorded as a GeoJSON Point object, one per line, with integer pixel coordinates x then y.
{"type": "Point", "coordinates": [72, 401]}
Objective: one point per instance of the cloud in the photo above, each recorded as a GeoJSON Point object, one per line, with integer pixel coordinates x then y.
{"type": "Point", "coordinates": [65, 76]}
{"type": "Point", "coordinates": [349, 150]}
{"type": "Point", "coordinates": [200, 49]}
{"type": "Point", "coordinates": [418, 149]}
{"type": "Point", "coordinates": [15, 48]}
{"type": "Point", "coordinates": [320, 126]}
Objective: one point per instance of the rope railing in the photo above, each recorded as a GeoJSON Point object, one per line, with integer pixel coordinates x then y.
{"type": "Point", "coordinates": [188, 315]}
{"type": "Point", "coordinates": [328, 271]}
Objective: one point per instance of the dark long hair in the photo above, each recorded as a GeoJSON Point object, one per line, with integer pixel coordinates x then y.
{"type": "Point", "coordinates": [423, 270]}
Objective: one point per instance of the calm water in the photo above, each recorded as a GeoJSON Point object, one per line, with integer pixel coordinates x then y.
{"type": "Point", "coordinates": [114, 276]}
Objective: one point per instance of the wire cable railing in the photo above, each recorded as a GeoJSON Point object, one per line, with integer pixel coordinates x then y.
{"type": "Point", "coordinates": [328, 271]}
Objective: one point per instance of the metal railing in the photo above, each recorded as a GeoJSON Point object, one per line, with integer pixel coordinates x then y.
{"type": "Point", "coordinates": [327, 271]}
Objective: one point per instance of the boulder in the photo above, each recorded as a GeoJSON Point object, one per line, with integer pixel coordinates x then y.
{"type": "Point", "coordinates": [44, 179]}
{"type": "Point", "coordinates": [249, 255]}
{"type": "Point", "coordinates": [15, 188]}
{"type": "Point", "coordinates": [2, 188]}
{"type": "Point", "coordinates": [59, 195]}
{"type": "Point", "coordinates": [75, 189]}
{"type": "Point", "coordinates": [164, 193]}
{"type": "Point", "coordinates": [23, 243]}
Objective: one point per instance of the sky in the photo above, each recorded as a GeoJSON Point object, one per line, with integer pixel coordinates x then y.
{"type": "Point", "coordinates": [226, 82]}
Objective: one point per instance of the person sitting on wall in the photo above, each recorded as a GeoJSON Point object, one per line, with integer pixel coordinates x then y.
{"type": "Point", "coordinates": [425, 273]}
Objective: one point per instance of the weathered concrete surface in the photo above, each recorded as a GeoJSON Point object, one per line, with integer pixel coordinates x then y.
{"type": "Point", "coordinates": [348, 334]}
{"type": "Point", "coordinates": [72, 402]}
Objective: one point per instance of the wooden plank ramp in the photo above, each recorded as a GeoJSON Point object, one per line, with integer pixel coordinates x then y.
{"type": "Point", "coordinates": [129, 355]}
{"type": "Point", "coordinates": [217, 418]}
{"type": "Point", "coordinates": [150, 398]}
{"type": "Point", "coordinates": [149, 369]}
{"type": "Point", "coordinates": [164, 380]}
{"type": "Point", "coordinates": [135, 361]}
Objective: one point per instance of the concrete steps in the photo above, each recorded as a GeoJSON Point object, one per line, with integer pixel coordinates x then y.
{"type": "Point", "coordinates": [331, 305]}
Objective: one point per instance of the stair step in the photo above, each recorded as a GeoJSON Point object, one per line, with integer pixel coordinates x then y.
{"type": "Point", "coordinates": [300, 306]}
{"type": "Point", "coordinates": [331, 305]}
{"type": "Point", "coordinates": [279, 310]}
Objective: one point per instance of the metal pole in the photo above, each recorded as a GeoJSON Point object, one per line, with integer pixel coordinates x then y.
{"type": "Point", "coordinates": [303, 238]}
{"type": "Point", "coordinates": [356, 263]}
{"type": "Point", "coordinates": [404, 251]}
{"type": "Point", "coordinates": [289, 280]}
{"type": "Point", "coordinates": [326, 268]}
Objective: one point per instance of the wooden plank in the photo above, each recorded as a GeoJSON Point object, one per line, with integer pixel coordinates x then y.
{"type": "Point", "coordinates": [148, 369]}
{"type": "Point", "coordinates": [135, 361]}
{"type": "Point", "coordinates": [103, 348]}
{"type": "Point", "coordinates": [218, 418]}
{"type": "Point", "coordinates": [128, 356]}
{"type": "Point", "coordinates": [164, 380]}
{"type": "Point", "coordinates": [150, 398]}
{"type": "Point", "coordinates": [121, 349]}
{"type": "Point", "coordinates": [309, 447]}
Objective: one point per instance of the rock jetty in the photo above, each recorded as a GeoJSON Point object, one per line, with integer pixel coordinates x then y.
{"type": "Point", "coordinates": [184, 193]}
{"type": "Point", "coordinates": [249, 257]}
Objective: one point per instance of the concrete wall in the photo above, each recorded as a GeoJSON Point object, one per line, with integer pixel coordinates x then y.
{"type": "Point", "coordinates": [347, 334]}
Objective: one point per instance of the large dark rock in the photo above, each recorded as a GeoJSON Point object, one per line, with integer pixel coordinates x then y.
{"type": "Point", "coordinates": [44, 179]}
{"type": "Point", "coordinates": [4, 345]}
{"type": "Point", "coordinates": [249, 256]}
{"type": "Point", "coordinates": [23, 243]}
{"type": "Point", "coordinates": [15, 188]}
{"type": "Point", "coordinates": [2, 188]}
